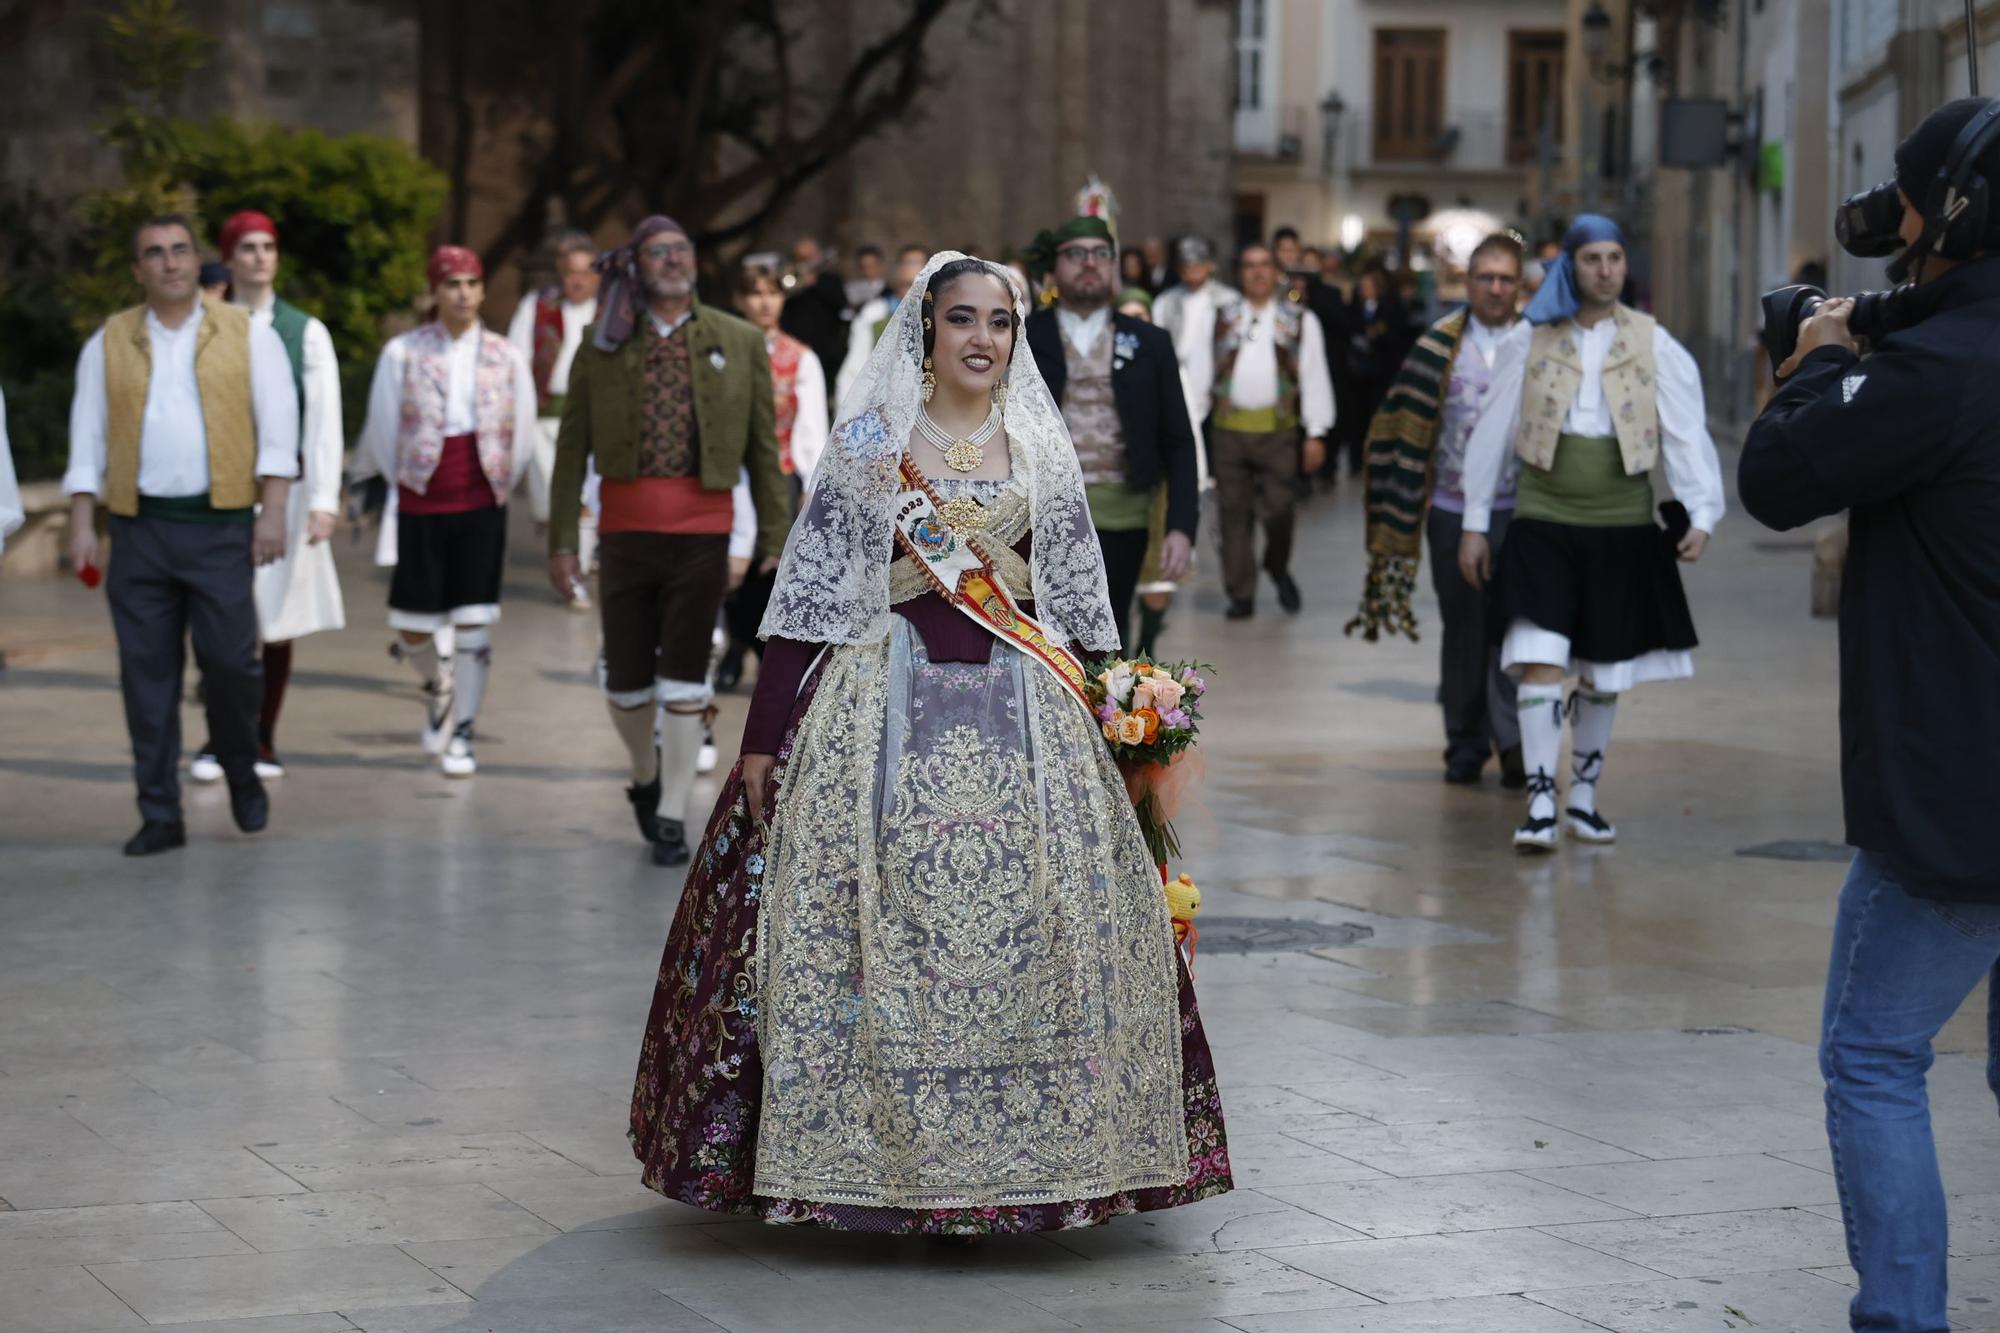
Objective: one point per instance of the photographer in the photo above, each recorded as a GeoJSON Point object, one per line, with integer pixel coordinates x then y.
{"type": "Point", "coordinates": [1907, 440]}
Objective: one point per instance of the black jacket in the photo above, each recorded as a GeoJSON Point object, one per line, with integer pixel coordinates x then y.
{"type": "Point", "coordinates": [1908, 441]}
{"type": "Point", "coordinates": [815, 315]}
{"type": "Point", "coordinates": [1159, 442]}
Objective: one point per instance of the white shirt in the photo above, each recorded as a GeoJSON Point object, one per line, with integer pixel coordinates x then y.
{"type": "Point", "coordinates": [1485, 339]}
{"type": "Point", "coordinates": [860, 343]}
{"type": "Point", "coordinates": [12, 514]}
{"type": "Point", "coordinates": [322, 441]}
{"type": "Point", "coordinates": [1253, 383]}
{"type": "Point", "coordinates": [1194, 348]}
{"type": "Point", "coordinates": [521, 333]}
{"type": "Point", "coordinates": [665, 327]}
{"type": "Point", "coordinates": [1082, 330]}
{"type": "Point", "coordinates": [809, 423]}
{"type": "Point", "coordinates": [173, 439]}
{"type": "Point", "coordinates": [742, 518]}
{"type": "Point", "coordinates": [1694, 474]}
{"type": "Point", "coordinates": [382, 433]}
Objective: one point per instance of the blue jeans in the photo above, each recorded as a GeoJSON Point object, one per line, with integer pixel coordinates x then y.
{"type": "Point", "coordinates": [1901, 967]}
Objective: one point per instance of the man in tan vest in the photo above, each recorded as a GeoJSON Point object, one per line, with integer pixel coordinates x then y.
{"type": "Point", "coordinates": [185, 420]}
{"type": "Point", "coordinates": [1589, 394]}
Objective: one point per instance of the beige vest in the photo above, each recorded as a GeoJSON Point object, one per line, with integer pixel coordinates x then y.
{"type": "Point", "coordinates": [222, 374]}
{"type": "Point", "coordinates": [1555, 375]}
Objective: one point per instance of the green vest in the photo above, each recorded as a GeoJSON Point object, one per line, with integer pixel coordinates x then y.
{"type": "Point", "coordinates": [289, 323]}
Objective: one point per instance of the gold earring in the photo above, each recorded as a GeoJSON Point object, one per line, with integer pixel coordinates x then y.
{"type": "Point", "coordinates": [1000, 394]}
{"type": "Point", "coordinates": [930, 380]}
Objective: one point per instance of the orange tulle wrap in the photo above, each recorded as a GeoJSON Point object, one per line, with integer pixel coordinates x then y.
{"type": "Point", "coordinates": [1158, 791]}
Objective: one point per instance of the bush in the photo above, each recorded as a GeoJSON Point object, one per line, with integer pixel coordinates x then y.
{"type": "Point", "coordinates": [354, 214]}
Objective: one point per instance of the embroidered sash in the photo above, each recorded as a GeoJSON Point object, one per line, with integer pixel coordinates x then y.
{"type": "Point", "coordinates": [966, 579]}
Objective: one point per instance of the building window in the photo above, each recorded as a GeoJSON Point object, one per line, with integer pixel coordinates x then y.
{"type": "Point", "coordinates": [1252, 23]}
{"type": "Point", "coordinates": [1534, 91]}
{"type": "Point", "coordinates": [1409, 92]}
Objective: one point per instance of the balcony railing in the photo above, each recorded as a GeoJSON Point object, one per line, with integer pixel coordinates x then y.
{"type": "Point", "coordinates": [1476, 142]}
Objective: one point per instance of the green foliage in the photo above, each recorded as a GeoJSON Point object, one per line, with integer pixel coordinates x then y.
{"type": "Point", "coordinates": [156, 50]}
{"type": "Point", "coordinates": [354, 214]}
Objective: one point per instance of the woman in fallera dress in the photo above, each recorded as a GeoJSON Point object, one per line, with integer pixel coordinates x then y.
{"type": "Point", "coordinates": [922, 977]}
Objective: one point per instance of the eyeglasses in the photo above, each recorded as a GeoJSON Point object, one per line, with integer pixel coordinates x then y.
{"type": "Point", "coordinates": [1086, 254]}
{"type": "Point", "coordinates": [667, 250]}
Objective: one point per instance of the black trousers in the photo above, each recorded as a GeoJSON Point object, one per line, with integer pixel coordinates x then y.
{"type": "Point", "coordinates": [168, 580]}
{"type": "Point", "coordinates": [1478, 697]}
{"type": "Point", "coordinates": [1124, 557]}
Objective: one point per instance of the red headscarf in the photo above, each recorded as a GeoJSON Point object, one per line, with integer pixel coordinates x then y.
{"type": "Point", "coordinates": [449, 261]}
{"type": "Point", "coordinates": [241, 225]}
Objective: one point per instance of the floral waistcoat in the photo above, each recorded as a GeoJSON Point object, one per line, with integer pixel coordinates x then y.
{"type": "Point", "coordinates": [427, 381]}
{"type": "Point", "coordinates": [784, 350]}
{"type": "Point", "coordinates": [1465, 393]}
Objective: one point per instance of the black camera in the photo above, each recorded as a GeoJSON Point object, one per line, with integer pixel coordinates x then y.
{"type": "Point", "coordinates": [1876, 316]}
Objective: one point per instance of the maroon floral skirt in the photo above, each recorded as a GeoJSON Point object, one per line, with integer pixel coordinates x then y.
{"type": "Point", "coordinates": [695, 1102]}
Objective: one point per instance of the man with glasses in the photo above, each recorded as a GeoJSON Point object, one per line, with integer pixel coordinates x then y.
{"type": "Point", "coordinates": [1271, 389]}
{"type": "Point", "coordinates": [1119, 387]}
{"type": "Point", "coordinates": [672, 399]}
{"type": "Point", "coordinates": [1416, 462]}
{"type": "Point", "coordinates": [184, 423]}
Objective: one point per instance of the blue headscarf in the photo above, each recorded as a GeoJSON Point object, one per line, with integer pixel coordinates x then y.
{"type": "Point", "coordinates": [1557, 300]}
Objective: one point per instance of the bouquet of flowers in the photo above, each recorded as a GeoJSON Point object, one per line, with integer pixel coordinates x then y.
{"type": "Point", "coordinates": [1150, 713]}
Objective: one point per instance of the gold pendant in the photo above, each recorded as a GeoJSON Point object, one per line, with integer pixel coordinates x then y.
{"type": "Point", "coordinates": [965, 456]}
{"type": "Point", "coordinates": [964, 514]}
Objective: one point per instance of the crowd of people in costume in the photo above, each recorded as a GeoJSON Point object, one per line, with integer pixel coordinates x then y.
{"type": "Point", "coordinates": [923, 976]}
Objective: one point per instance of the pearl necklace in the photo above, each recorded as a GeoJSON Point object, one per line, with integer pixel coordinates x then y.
{"type": "Point", "coordinates": [961, 455]}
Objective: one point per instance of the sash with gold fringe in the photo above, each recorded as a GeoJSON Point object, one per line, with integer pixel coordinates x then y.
{"type": "Point", "coordinates": [1401, 440]}
{"type": "Point", "coordinates": [966, 579]}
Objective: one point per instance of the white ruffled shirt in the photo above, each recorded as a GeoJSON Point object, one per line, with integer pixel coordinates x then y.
{"type": "Point", "coordinates": [1694, 473]}
{"type": "Point", "coordinates": [521, 333]}
{"type": "Point", "coordinates": [322, 442]}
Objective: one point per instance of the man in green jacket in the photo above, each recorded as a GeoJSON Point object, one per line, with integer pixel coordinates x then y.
{"type": "Point", "coordinates": [673, 399]}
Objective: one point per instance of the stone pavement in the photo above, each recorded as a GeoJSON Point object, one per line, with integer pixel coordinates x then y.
{"type": "Point", "coordinates": [369, 1070]}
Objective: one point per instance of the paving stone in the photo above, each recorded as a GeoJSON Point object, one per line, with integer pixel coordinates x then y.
{"type": "Point", "coordinates": [1709, 1245]}
{"type": "Point", "coordinates": [385, 1159]}
{"type": "Point", "coordinates": [1504, 1144]}
{"type": "Point", "coordinates": [393, 1216]}
{"type": "Point", "coordinates": [1697, 1184]}
{"type": "Point", "coordinates": [1475, 1314]}
{"type": "Point", "coordinates": [1477, 1263]}
{"type": "Point", "coordinates": [61, 1299]}
{"type": "Point", "coordinates": [1779, 1302]}
{"type": "Point", "coordinates": [1431, 1205]}
{"type": "Point", "coordinates": [55, 1237]}
{"type": "Point", "coordinates": [339, 1279]}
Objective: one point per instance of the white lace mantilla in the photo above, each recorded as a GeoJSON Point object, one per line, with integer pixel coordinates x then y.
{"type": "Point", "coordinates": [833, 584]}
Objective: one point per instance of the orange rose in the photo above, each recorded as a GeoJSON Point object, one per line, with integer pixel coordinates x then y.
{"type": "Point", "coordinates": [1152, 721]}
{"type": "Point", "coordinates": [1131, 730]}
{"type": "Point", "coordinates": [1110, 733]}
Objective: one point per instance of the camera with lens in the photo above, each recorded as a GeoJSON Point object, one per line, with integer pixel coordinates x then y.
{"type": "Point", "coordinates": [1867, 226]}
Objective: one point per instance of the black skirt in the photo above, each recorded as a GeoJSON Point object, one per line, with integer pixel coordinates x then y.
{"type": "Point", "coordinates": [448, 561]}
{"type": "Point", "coordinates": [1614, 593]}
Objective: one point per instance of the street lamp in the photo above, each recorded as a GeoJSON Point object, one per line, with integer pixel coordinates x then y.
{"type": "Point", "coordinates": [1597, 25]}
{"type": "Point", "coordinates": [1331, 109]}
{"type": "Point", "coordinates": [1596, 34]}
